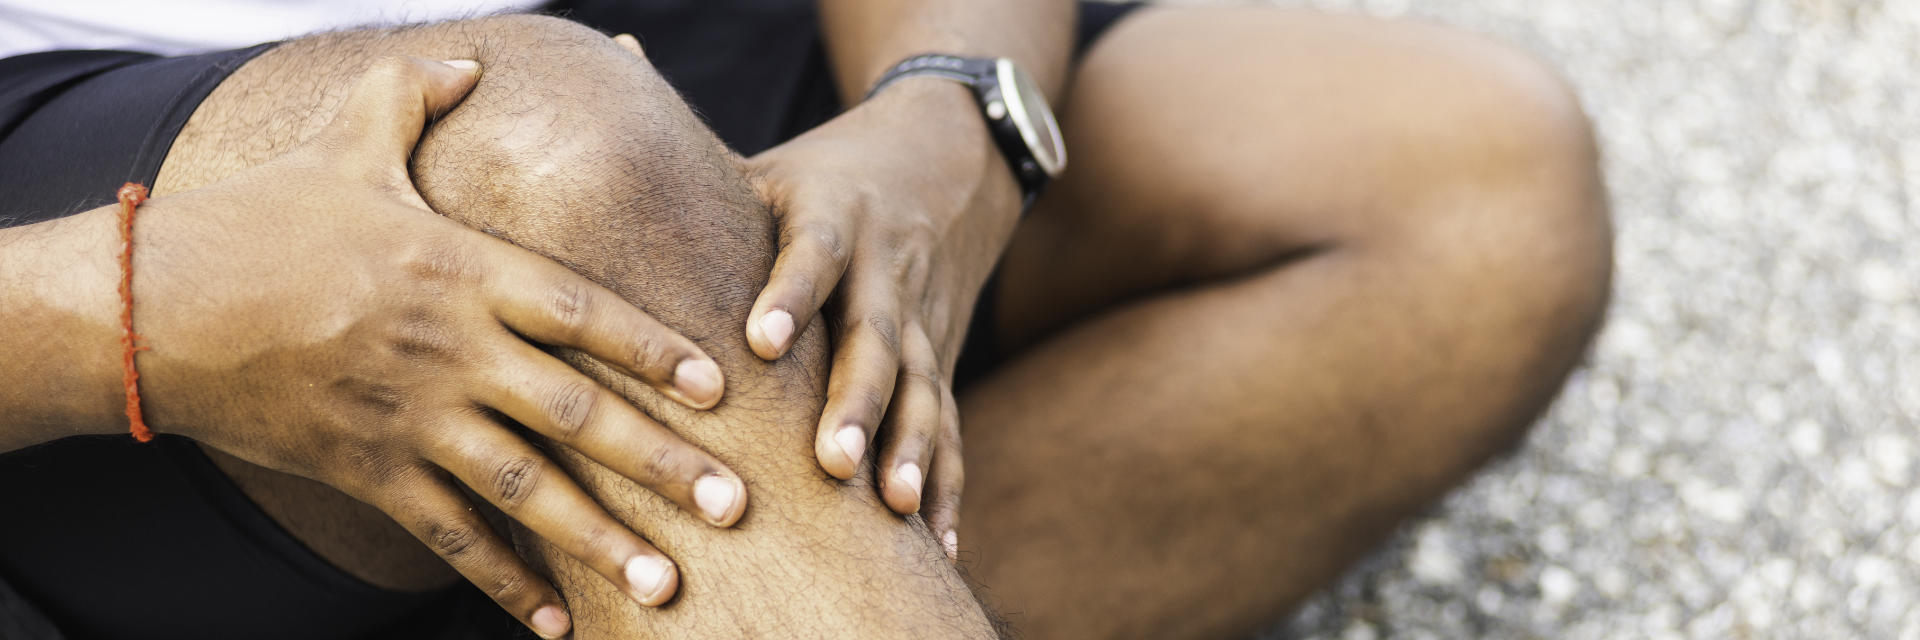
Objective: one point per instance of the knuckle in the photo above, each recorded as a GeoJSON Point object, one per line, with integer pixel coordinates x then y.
{"type": "Point", "coordinates": [369, 464]}
{"type": "Point", "coordinates": [925, 377]}
{"type": "Point", "coordinates": [886, 329]}
{"type": "Point", "coordinates": [569, 407]}
{"type": "Point", "coordinates": [652, 351]}
{"type": "Point", "coordinates": [510, 585]}
{"type": "Point", "coordinates": [515, 480]}
{"type": "Point", "coordinates": [420, 334]}
{"type": "Point", "coordinates": [380, 398]}
{"type": "Point", "coordinates": [660, 463]}
{"type": "Point", "coordinates": [918, 365]}
{"type": "Point", "coordinates": [597, 541]}
{"type": "Point", "coordinates": [833, 245]}
{"type": "Point", "coordinates": [438, 261]}
{"type": "Point", "coordinates": [569, 302]}
{"type": "Point", "coordinates": [453, 540]}
{"type": "Point", "coordinates": [916, 235]}
{"type": "Point", "coordinates": [855, 196]}
{"type": "Point", "coordinates": [825, 236]}
{"type": "Point", "coordinates": [910, 263]}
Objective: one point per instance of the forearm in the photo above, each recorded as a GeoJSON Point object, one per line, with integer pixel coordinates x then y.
{"type": "Point", "coordinates": [865, 37]}
{"type": "Point", "coordinates": [59, 328]}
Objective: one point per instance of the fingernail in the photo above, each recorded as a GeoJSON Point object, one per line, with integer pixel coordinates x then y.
{"type": "Point", "coordinates": [777, 327]}
{"type": "Point", "coordinates": [551, 621]}
{"type": "Point", "coordinates": [462, 64]}
{"type": "Point", "coordinates": [648, 578]}
{"type": "Point", "coordinates": [698, 380]}
{"type": "Point", "coordinates": [909, 474]}
{"type": "Point", "coordinates": [952, 542]}
{"type": "Point", "coordinates": [716, 494]}
{"type": "Point", "coordinates": [853, 442]}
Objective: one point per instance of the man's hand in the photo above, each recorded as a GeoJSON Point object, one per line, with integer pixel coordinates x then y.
{"type": "Point", "coordinates": [891, 218]}
{"type": "Point", "coordinates": [314, 316]}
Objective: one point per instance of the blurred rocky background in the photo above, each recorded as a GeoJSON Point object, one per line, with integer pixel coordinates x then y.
{"type": "Point", "coordinates": [1737, 459]}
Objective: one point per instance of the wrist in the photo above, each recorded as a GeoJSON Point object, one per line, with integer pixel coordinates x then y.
{"type": "Point", "coordinates": [60, 361]}
{"type": "Point", "coordinates": [941, 119]}
{"type": "Point", "coordinates": [940, 108]}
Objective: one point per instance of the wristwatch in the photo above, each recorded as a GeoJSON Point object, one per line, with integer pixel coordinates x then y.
{"type": "Point", "coordinates": [1016, 111]}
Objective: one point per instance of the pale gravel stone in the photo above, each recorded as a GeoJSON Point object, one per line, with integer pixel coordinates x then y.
{"type": "Point", "coordinates": [1359, 630]}
{"type": "Point", "coordinates": [1434, 560]}
{"type": "Point", "coordinates": [1736, 458]}
{"type": "Point", "coordinates": [1558, 586]}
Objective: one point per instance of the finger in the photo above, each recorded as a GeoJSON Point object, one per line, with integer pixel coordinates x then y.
{"type": "Point", "coordinates": [912, 424]}
{"type": "Point", "coordinates": [866, 365]}
{"type": "Point", "coordinates": [441, 517]}
{"type": "Point", "coordinates": [946, 479]}
{"type": "Point", "coordinates": [547, 303]}
{"type": "Point", "coordinates": [631, 44]}
{"type": "Point", "coordinates": [813, 256]}
{"type": "Point", "coordinates": [388, 107]}
{"type": "Point", "coordinates": [514, 476]}
{"type": "Point", "coordinates": [558, 402]}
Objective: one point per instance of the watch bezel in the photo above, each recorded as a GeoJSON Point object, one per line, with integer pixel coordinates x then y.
{"type": "Point", "coordinates": [1007, 75]}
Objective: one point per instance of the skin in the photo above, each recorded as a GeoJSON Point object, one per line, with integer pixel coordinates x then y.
{"type": "Point", "coordinates": [374, 365]}
{"type": "Point", "coordinates": [895, 214]}
{"type": "Point", "coordinates": [1387, 258]}
{"type": "Point", "coordinates": [604, 170]}
{"type": "Point", "coordinates": [1294, 310]}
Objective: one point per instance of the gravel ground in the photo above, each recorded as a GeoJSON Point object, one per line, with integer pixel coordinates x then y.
{"type": "Point", "coordinates": [1737, 458]}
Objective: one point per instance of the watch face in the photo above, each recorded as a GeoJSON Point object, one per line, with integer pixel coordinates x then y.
{"type": "Point", "coordinates": [1031, 115]}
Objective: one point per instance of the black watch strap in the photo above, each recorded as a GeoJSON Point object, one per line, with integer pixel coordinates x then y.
{"type": "Point", "coordinates": [966, 71]}
{"type": "Point", "coordinates": [979, 74]}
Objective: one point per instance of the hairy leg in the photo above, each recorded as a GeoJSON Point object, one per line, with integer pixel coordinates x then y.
{"type": "Point", "coordinates": [576, 149]}
{"type": "Point", "coordinates": [1305, 274]}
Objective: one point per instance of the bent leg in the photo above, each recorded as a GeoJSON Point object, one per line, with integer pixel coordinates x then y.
{"type": "Point", "coordinates": [574, 148]}
{"type": "Point", "coordinates": [1305, 274]}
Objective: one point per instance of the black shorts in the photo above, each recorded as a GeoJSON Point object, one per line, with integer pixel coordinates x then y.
{"type": "Point", "coordinates": [107, 538]}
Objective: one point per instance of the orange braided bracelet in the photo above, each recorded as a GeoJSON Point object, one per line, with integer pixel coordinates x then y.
{"type": "Point", "coordinates": [131, 195]}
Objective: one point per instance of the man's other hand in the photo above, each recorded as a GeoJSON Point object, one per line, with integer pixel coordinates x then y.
{"type": "Point", "coordinates": [891, 218]}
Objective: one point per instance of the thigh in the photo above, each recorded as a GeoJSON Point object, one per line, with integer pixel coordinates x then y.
{"type": "Point", "coordinates": [1210, 143]}
{"type": "Point", "coordinates": [1304, 273]}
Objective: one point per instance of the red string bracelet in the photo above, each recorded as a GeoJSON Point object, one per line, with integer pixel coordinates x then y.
{"type": "Point", "coordinates": [131, 195]}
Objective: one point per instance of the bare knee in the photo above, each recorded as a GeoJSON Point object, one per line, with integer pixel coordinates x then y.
{"type": "Point", "coordinates": [1553, 235]}
{"type": "Point", "coordinates": [1511, 234]}
{"type": "Point", "coordinates": [558, 158]}
{"type": "Point", "coordinates": [597, 163]}
{"type": "Point", "coordinates": [574, 148]}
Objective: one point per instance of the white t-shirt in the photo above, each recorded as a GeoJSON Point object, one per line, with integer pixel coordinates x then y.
{"type": "Point", "coordinates": [173, 27]}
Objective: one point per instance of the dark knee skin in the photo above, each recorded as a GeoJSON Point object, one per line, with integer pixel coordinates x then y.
{"type": "Point", "coordinates": [573, 148]}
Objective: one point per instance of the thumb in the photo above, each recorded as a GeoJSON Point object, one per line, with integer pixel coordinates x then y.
{"type": "Point", "coordinates": [389, 105]}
